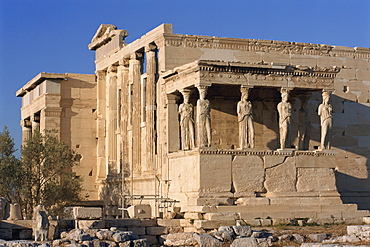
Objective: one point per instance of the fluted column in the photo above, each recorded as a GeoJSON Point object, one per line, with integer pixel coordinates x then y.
{"type": "Point", "coordinates": [122, 77]}
{"type": "Point", "coordinates": [150, 107]}
{"type": "Point", "coordinates": [101, 107]}
{"type": "Point", "coordinates": [111, 96]}
{"type": "Point", "coordinates": [134, 78]}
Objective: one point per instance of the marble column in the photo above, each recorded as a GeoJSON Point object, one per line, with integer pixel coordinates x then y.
{"type": "Point", "coordinates": [122, 81]}
{"type": "Point", "coordinates": [150, 108]}
{"type": "Point", "coordinates": [135, 81]}
{"type": "Point", "coordinates": [111, 119]}
{"type": "Point", "coordinates": [285, 111]}
{"type": "Point", "coordinates": [204, 134]}
{"type": "Point", "coordinates": [101, 110]}
{"type": "Point", "coordinates": [326, 120]}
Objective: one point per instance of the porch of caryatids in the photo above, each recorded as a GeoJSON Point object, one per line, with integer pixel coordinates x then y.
{"type": "Point", "coordinates": [245, 120]}
{"type": "Point", "coordinates": [285, 112]}
{"type": "Point", "coordinates": [111, 115]}
{"type": "Point", "coordinates": [326, 120]}
{"type": "Point", "coordinates": [150, 108]}
{"type": "Point", "coordinates": [186, 111]}
{"type": "Point", "coordinates": [204, 134]}
{"type": "Point", "coordinates": [135, 115]}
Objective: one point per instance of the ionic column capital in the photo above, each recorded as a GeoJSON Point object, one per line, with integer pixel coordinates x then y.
{"type": "Point", "coordinates": [150, 48]}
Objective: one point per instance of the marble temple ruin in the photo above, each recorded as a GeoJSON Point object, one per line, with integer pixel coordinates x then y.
{"type": "Point", "coordinates": [214, 125]}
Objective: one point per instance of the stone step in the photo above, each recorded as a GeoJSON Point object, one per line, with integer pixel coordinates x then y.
{"type": "Point", "coordinates": [286, 208]}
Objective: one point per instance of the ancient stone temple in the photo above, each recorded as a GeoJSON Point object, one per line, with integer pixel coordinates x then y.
{"type": "Point", "coordinates": [223, 125]}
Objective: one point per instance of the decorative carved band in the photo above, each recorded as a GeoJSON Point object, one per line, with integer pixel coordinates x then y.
{"type": "Point", "coordinates": [289, 71]}
{"type": "Point", "coordinates": [255, 45]}
{"type": "Point", "coordinates": [267, 152]}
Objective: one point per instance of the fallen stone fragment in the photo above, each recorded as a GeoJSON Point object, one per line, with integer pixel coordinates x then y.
{"type": "Point", "coordinates": [317, 237]}
{"type": "Point", "coordinates": [224, 236]}
{"type": "Point", "coordinates": [78, 235]}
{"type": "Point", "coordinates": [243, 231]}
{"type": "Point", "coordinates": [206, 240]}
{"type": "Point", "coordinates": [298, 238]}
{"type": "Point", "coordinates": [243, 242]}
{"type": "Point", "coordinates": [59, 242]}
{"type": "Point", "coordinates": [124, 236]}
{"type": "Point", "coordinates": [105, 235]}
{"type": "Point", "coordinates": [139, 243]}
{"type": "Point", "coordinates": [342, 239]}
{"type": "Point", "coordinates": [180, 239]}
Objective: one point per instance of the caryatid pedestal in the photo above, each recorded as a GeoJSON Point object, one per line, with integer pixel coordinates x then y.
{"type": "Point", "coordinates": [324, 111]}
{"type": "Point", "coordinates": [245, 120]}
{"type": "Point", "coordinates": [186, 111]}
{"type": "Point", "coordinates": [203, 118]}
{"type": "Point", "coordinates": [285, 111]}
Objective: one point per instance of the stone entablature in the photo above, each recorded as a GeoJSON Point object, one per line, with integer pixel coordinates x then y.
{"type": "Point", "coordinates": [253, 75]}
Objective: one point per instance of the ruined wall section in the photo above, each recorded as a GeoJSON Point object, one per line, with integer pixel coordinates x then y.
{"type": "Point", "coordinates": [78, 129]}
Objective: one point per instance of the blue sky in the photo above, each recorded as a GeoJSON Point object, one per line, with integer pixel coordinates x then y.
{"type": "Point", "coordinates": [52, 35]}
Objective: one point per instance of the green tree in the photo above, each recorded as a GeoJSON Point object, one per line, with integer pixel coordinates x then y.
{"type": "Point", "coordinates": [10, 169]}
{"type": "Point", "coordinates": [48, 178]}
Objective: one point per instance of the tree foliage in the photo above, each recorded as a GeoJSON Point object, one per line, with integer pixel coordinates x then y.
{"type": "Point", "coordinates": [10, 170]}
{"type": "Point", "coordinates": [43, 175]}
{"type": "Point", "coordinates": [48, 177]}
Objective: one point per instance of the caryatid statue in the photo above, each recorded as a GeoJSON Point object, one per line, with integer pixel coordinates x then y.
{"type": "Point", "coordinates": [326, 118]}
{"type": "Point", "coordinates": [285, 111]}
{"type": "Point", "coordinates": [203, 118]}
{"type": "Point", "coordinates": [186, 122]}
{"type": "Point", "coordinates": [304, 128]}
{"type": "Point", "coordinates": [245, 119]}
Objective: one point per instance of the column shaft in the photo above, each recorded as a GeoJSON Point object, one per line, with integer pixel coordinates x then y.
{"type": "Point", "coordinates": [150, 110]}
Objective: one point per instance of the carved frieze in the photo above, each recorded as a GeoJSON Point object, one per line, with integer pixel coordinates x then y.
{"type": "Point", "coordinates": [254, 45]}
{"type": "Point", "coordinates": [214, 151]}
{"type": "Point", "coordinates": [257, 74]}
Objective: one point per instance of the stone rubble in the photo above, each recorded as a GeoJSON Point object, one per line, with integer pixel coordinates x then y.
{"type": "Point", "coordinates": [233, 236]}
{"type": "Point", "coordinates": [241, 236]}
{"type": "Point", "coordinates": [79, 238]}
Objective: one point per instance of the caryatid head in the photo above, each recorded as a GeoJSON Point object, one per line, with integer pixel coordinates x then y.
{"type": "Point", "coordinates": [284, 94]}
{"type": "Point", "coordinates": [325, 97]}
{"type": "Point", "coordinates": [186, 95]}
{"type": "Point", "coordinates": [202, 91]}
{"type": "Point", "coordinates": [245, 93]}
